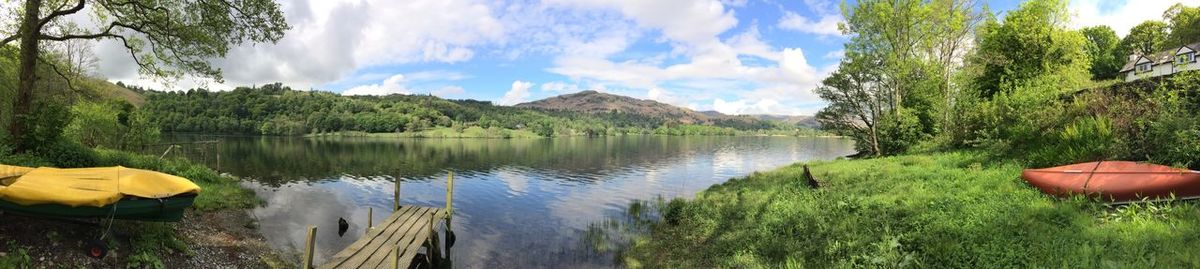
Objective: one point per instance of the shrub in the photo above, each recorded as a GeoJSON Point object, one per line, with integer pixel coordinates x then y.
{"type": "Point", "coordinates": [64, 153]}
{"type": "Point", "coordinates": [1086, 139]}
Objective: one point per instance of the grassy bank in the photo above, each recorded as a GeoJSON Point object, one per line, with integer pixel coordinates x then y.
{"type": "Point", "coordinates": [956, 210]}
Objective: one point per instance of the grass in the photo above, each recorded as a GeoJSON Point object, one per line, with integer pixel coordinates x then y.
{"type": "Point", "coordinates": [957, 210]}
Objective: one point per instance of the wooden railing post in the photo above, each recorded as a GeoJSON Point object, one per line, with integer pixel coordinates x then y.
{"type": "Point", "coordinates": [396, 257]}
{"type": "Point", "coordinates": [370, 218]}
{"type": "Point", "coordinates": [432, 251]}
{"type": "Point", "coordinates": [450, 194]}
{"type": "Point", "coordinates": [396, 195]}
{"type": "Point", "coordinates": [308, 247]}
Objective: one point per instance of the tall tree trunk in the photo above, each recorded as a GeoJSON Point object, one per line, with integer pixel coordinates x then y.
{"type": "Point", "coordinates": [27, 76]}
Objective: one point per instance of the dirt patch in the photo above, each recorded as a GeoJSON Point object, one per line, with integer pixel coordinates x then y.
{"type": "Point", "coordinates": [218, 239]}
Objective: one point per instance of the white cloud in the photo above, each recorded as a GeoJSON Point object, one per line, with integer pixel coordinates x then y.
{"type": "Point", "coordinates": [593, 44]}
{"type": "Point", "coordinates": [691, 21]}
{"type": "Point", "coordinates": [1120, 16]}
{"type": "Point", "coordinates": [664, 96]}
{"type": "Point", "coordinates": [827, 25]}
{"type": "Point", "coordinates": [331, 39]}
{"type": "Point", "coordinates": [518, 94]}
{"type": "Point", "coordinates": [837, 54]}
{"type": "Point", "coordinates": [449, 91]}
{"type": "Point", "coordinates": [764, 106]}
{"type": "Point", "coordinates": [703, 68]}
{"type": "Point", "coordinates": [391, 85]}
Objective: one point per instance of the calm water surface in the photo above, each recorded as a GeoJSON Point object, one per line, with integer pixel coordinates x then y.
{"type": "Point", "coordinates": [519, 203]}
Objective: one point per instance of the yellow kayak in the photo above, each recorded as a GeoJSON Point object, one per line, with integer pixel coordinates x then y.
{"type": "Point", "coordinates": [87, 187]}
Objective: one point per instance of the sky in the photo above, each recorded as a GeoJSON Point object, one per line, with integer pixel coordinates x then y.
{"type": "Point", "coordinates": [732, 56]}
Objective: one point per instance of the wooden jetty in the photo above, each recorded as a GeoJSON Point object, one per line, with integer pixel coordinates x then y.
{"type": "Point", "coordinates": [395, 242]}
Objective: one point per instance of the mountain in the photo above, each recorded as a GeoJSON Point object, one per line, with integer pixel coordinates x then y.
{"type": "Point", "coordinates": [800, 120]}
{"type": "Point", "coordinates": [598, 102]}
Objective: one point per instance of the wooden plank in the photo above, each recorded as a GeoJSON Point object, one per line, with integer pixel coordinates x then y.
{"type": "Point", "coordinates": [395, 242]}
{"type": "Point", "coordinates": [355, 247]}
{"type": "Point", "coordinates": [422, 233]}
{"type": "Point", "coordinates": [350, 250]}
{"type": "Point", "coordinates": [366, 243]}
{"type": "Point", "coordinates": [405, 238]}
{"type": "Point", "coordinates": [383, 240]}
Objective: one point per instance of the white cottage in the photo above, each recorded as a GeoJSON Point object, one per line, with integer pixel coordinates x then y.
{"type": "Point", "coordinates": [1162, 63]}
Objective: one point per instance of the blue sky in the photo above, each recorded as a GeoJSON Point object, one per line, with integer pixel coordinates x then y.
{"type": "Point", "coordinates": [733, 56]}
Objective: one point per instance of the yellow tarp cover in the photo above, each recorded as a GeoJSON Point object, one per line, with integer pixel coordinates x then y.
{"type": "Point", "coordinates": [98, 186]}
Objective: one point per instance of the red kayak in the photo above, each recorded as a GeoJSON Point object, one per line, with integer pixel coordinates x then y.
{"type": "Point", "coordinates": [1117, 181]}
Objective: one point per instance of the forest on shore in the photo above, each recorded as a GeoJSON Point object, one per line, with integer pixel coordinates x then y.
{"type": "Point", "coordinates": [275, 109]}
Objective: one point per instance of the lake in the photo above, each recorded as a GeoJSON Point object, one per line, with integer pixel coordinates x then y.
{"type": "Point", "coordinates": [518, 203]}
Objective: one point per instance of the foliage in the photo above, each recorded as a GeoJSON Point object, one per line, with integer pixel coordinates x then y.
{"type": "Point", "coordinates": [1144, 39]}
{"type": "Point", "coordinates": [1102, 46]}
{"type": "Point", "coordinates": [1086, 139]}
{"type": "Point", "coordinates": [93, 124]}
{"type": "Point", "coordinates": [165, 38]}
{"type": "Point", "coordinates": [893, 85]}
{"type": "Point", "coordinates": [110, 124]}
{"type": "Point", "coordinates": [1184, 24]}
{"type": "Point", "coordinates": [1032, 42]}
{"type": "Point", "coordinates": [18, 257]}
{"type": "Point", "coordinates": [151, 241]}
{"type": "Point", "coordinates": [896, 212]}
{"type": "Point", "coordinates": [1172, 132]}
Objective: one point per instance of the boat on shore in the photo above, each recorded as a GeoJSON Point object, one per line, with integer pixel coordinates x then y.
{"type": "Point", "coordinates": [1116, 181]}
{"type": "Point", "coordinates": [98, 192]}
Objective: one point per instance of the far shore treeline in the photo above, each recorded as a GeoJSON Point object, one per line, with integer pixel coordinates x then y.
{"type": "Point", "coordinates": [274, 109]}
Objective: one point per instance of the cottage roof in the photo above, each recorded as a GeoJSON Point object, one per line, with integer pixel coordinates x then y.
{"type": "Point", "coordinates": [1162, 57]}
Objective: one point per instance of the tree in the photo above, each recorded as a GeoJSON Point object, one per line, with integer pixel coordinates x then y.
{"type": "Point", "coordinates": [1021, 69]}
{"type": "Point", "coordinates": [952, 23]}
{"type": "Point", "coordinates": [1183, 23]}
{"type": "Point", "coordinates": [1145, 38]}
{"type": "Point", "coordinates": [900, 58]}
{"type": "Point", "coordinates": [166, 38]}
{"type": "Point", "coordinates": [77, 53]}
{"type": "Point", "coordinates": [1102, 44]}
{"type": "Point", "coordinates": [94, 124]}
{"type": "Point", "coordinates": [1032, 41]}
{"type": "Point", "coordinates": [857, 100]}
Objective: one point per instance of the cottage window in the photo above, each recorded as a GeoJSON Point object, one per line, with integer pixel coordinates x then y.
{"type": "Point", "coordinates": [1185, 58]}
{"type": "Point", "coordinates": [1143, 68]}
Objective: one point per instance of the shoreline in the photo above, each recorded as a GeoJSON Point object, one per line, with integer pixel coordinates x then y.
{"type": "Point", "coordinates": [439, 134]}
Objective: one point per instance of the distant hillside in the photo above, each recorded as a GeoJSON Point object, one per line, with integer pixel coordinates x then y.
{"type": "Point", "coordinates": [806, 121]}
{"type": "Point", "coordinates": [801, 120]}
{"type": "Point", "coordinates": [98, 89]}
{"type": "Point", "coordinates": [597, 102]}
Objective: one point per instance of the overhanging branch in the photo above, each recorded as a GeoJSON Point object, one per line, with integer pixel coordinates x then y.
{"type": "Point", "coordinates": [9, 39]}
{"type": "Point", "coordinates": [59, 13]}
{"type": "Point", "coordinates": [59, 72]}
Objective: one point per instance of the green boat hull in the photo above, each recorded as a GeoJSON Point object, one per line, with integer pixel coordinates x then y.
{"type": "Point", "coordinates": [161, 210]}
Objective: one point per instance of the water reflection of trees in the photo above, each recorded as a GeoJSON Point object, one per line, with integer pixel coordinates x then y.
{"type": "Point", "coordinates": [279, 160]}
